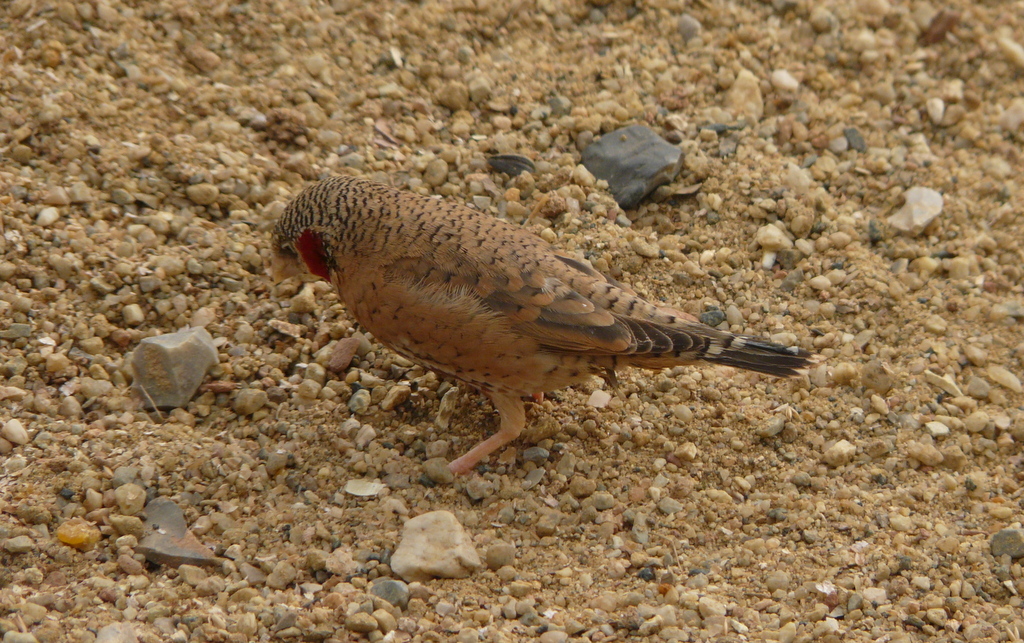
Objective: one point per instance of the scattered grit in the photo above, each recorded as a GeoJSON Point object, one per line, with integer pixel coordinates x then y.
{"type": "Point", "coordinates": [146, 148]}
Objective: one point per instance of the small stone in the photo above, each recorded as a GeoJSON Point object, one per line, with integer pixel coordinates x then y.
{"type": "Point", "coordinates": [840, 453]}
{"type": "Point", "coordinates": [936, 429]}
{"type": "Point", "coordinates": [877, 376]}
{"type": "Point", "coordinates": [978, 388]}
{"type": "Point", "coordinates": [454, 95]}
{"type": "Point", "coordinates": [634, 161]}
{"type": "Point", "coordinates": [936, 108]}
{"type": "Point", "coordinates": [436, 469]}
{"type": "Point", "coordinates": [47, 217]}
{"type": "Point", "coordinates": [14, 432]}
{"type": "Point", "coordinates": [364, 488]}
{"type": "Point", "coordinates": [171, 543]}
{"type": "Point", "coordinates": [130, 498]}
{"type": "Point", "coordinates": [925, 453]}
{"type": "Point", "coordinates": [393, 591]}
{"type": "Point", "coordinates": [921, 206]}
{"type": "Point", "coordinates": [1003, 377]}
{"type": "Point", "coordinates": [899, 522]}
{"type": "Point", "coordinates": [1008, 542]}
{"type": "Point", "coordinates": [744, 97]}
{"type": "Point", "coordinates": [776, 580]}
{"type": "Point", "coordinates": [599, 399]}
{"type": "Point", "coordinates": [772, 239]}
{"type": "Point", "coordinates": [202, 193]}
{"type": "Point", "coordinates": [1013, 116]}
{"type": "Point", "coordinates": [478, 488]}
{"type": "Point", "coordinates": [127, 525]}
{"type": "Point", "coordinates": [133, 315]}
{"type": "Point", "coordinates": [689, 27]}
{"type": "Point", "coordinates": [360, 401]}
{"type": "Point", "coordinates": [434, 545]}
{"type": "Point", "coordinates": [395, 396]}
{"type": "Point", "coordinates": [603, 501]}
{"type": "Point", "coordinates": [436, 173]}
{"type": "Point", "coordinates": [360, 622]}
{"type": "Point", "coordinates": [169, 368]}
{"type": "Point", "coordinates": [709, 607]}
{"type": "Point", "coordinates": [479, 89]}
{"type": "Point", "coordinates": [855, 140]}
{"type": "Point", "coordinates": [820, 282]}
{"type": "Point", "coordinates": [669, 505]}
{"type": "Point", "coordinates": [203, 59]}
{"type": "Point", "coordinates": [582, 487]}
{"type": "Point", "coordinates": [943, 382]}
{"type": "Point", "coordinates": [283, 575]}
{"type": "Point", "coordinates": [784, 81]}
{"type": "Point", "coordinates": [249, 400]}
{"type": "Point", "coordinates": [977, 422]}
{"type": "Point", "coordinates": [116, 633]}
{"type": "Point", "coordinates": [712, 317]}
{"type": "Point", "coordinates": [14, 636]}
{"type": "Point", "coordinates": [500, 554]}
{"type": "Point", "coordinates": [20, 544]}
{"type": "Point", "coordinates": [536, 454]}
{"type": "Point", "coordinates": [191, 575]}
{"type": "Point", "coordinates": [79, 533]}
{"type": "Point", "coordinates": [1011, 50]}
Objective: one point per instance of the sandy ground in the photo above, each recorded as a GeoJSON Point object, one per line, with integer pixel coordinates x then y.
{"type": "Point", "coordinates": [146, 147]}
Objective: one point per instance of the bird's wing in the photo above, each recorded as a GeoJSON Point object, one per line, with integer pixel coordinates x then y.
{"type": "Point", "coordinates": [561, 302]}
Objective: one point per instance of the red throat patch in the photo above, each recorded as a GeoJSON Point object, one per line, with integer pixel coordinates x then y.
{"type": "Point", "coordinates": [311, 249]}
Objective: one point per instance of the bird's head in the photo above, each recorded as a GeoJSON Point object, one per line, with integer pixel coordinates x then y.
{"type": "Point", "coordinates": [299, 249]}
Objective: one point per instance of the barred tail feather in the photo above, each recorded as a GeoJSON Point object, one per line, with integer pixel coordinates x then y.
{"type": "Point", "coordinates": [756, 354]}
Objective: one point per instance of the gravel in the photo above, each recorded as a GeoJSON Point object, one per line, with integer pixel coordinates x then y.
{"type": "Point", "coordinates": [145, 151]}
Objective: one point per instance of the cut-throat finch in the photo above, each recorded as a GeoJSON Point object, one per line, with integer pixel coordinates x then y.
{"type": "Point", "coordinates": [489, 303]}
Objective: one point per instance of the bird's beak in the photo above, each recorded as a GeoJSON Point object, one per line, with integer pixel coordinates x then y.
{"type": "Point", "coordinates": [283, 267]}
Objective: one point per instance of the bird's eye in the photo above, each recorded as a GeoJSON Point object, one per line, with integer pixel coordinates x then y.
{"type": "Point", "coordinates": [311, 248]}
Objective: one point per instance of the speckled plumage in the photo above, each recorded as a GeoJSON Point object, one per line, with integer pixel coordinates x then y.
{"type": "Point", "coordinates": [489, 303]}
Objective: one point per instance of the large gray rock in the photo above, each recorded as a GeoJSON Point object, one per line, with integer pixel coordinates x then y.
{"type": "Point", "coordinates": [434, 545]}
{"type": "Point", "coordinates": [635, 161]}
{"type": "Point", "coordinates": [169, 368]}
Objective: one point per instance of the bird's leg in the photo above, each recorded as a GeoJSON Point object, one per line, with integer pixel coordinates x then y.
{"type": "Point", "coordinates": [513, 418]}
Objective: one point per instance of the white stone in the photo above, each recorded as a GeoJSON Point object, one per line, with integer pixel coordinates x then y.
{"type": "Point", "coordinates": [599, 399]}
{"type": "Point", "coordinates": [14, 432]}
{"type": "Point", "coordinates": [784, 81]}
{"type": "Point", "coordinates": [434, 545]}
{"type": "Point", "coordinates": [47, 217]}
{"type": "Point", "coordinates": [921, 207]}
{"type": "Point", "coordinates": [1013, 116]}
{"type": "Point", "coordinates": [1003, 377]}
{"type": "Point", "coordinates": [744, 97]}
{"type": "Point", "coordinates": [364, 488]}
{"type": "Point", "coordinates": [936, 108]}
{"type": "Point", "coordinates": [839, 453]}
{"type": "Point", "coordinates": [1012, 50]}
{"type": "Point", "coordinates": [772, 239]}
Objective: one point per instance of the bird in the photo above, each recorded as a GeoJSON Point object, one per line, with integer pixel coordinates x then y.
{"type": "Point", "coordinates": [489, 303]}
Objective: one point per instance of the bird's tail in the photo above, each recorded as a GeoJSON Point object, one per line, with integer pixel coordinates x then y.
{"type": "Point", "coordinates": [757, 354]}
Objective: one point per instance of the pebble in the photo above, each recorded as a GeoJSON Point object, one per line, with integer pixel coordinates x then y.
{"type": "Point", "coordinates": [925, 453]}
{"type": "Point", "coordinates": [436, 173]}
{"type": "Point", "coordinates": [536, 454]}
{"type": "Point", "coordinates": [434, 545]}
{"type": "Point", "coordinates": [772, 239]}
{"type": "Point", "coordinates": [454, 95]}
{"type": "Point", "coordinates": [599, 399]}
{"type": "Point", "coordinates": [360, 622]}
{"type": "Point", "coordinates": [360, 401]}
{"type": "Point", "coordinates": [1003, 377]}
{"type": "Point", "coordinates": [79, 533]}
{"type": "Point", "coordinates": [171, 543]}
{"type": "Point", "coordinates": [1012, 117]}
{"type": "Point", "coordinates": [14, 636]}
{"type": "Point", "coordinates": [364, 488]}
{"type": "Point", "coordinates": [47, 217]}
{"type": "Point", "coordinates": [130, 498]}
{"type": "Point", "coordinates": [784, 81]}
{"type": "Point", "coordinates": [14, 432]}
{"type": "Point", "coordinates": [283, 575]}
{"type": "Point", "coordinates": [634, 161]}
{"type": "Point", "coordinates": [395, 396]}
{"type": "Point", "coordinates": [499, 554]}
{"type": "Point", "coordinates": [712, 317]}
{"type": "Point", "coordinates": [1008, 542]}
{"type": "Point", "coordinates": [249, 400]}
{"type": "Point", "coordinates": [202, 193]}
{"type": "Point", "coordinates": [169, 368]}
{"type": "Point", "coordinates": [689, 27]}
{"type": "Point", "coordinates": [855, 140]}
{"type": "Point", "coordinates": [1012, 50]}
{"type": "Point", "coordinates": [776, 580]}
{"type": "Point", "coordinates": [921, 206]}
{"type": "Point", "coordinates": [19, 545]}
{"type": "Point", "coordinates": [116, 633]}
{"type": "Point", "coordinates": [436, 469]}
{"type": "Point", "coordinates": [840, 453]}
{"type": "Point", "coordinates": [744, 97]}
{"type": "Point", "coordinates": [393, 591]}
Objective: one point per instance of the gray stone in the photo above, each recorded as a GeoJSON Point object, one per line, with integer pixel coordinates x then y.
{"type": "Point", "coordinates": [393, 591]}
{"type": "Point", "coordinates": [434, 545]}
{"type": "Point", "coordinates": [1008, 542]}
{"type": "Point", "coordinates": [536, 454]}
{"type": "Point", "coordinates": [499, 554]}
{"type": "Point", "coordinates": [712, 317]}
{"type": "Point", "coordinates": [634, 161]}
{"type": "Point", "coordinates": [170, 542]}
{"type": "Point", "coordinates": [169, 368]}
{"type": "Point", "coordinates": [14, 636]}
